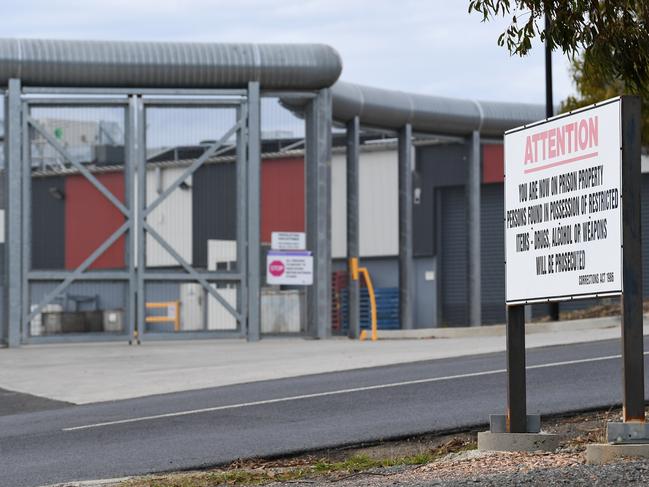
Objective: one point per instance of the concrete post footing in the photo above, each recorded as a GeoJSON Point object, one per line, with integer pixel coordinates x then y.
{"type": "Point", "coordinates": [600, 453]}
{"type": "Point", "coordinates": [488, 441]}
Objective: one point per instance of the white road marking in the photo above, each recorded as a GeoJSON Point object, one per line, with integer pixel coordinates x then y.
{"type": "Point", "coordinates": [335, 393]}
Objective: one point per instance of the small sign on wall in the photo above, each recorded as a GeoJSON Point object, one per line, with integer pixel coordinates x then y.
{"type": "Point", "coordinates": [289, 268]}
{"type": "Point", "coordinates": [288, 240]}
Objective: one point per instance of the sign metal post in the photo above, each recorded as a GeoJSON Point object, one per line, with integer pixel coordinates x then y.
{"type": "Point", "coordinates": [516, 387]}
{"type": "Point", "coordinates": [572, 231]}
{"type": "Point", "coordinates": [632, 336]}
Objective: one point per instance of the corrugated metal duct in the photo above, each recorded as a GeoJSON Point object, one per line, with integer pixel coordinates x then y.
{"type": "Point", "coordinates": [390, 109]}
{"type": "Point", "coordinates": [165, 65]}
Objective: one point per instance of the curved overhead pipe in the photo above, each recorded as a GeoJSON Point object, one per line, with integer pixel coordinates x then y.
{"type": "Point", "coordinates": [388, 109]}
{"type": "Point", "coordinates": [276, 66]}
{"type": "Point", "coordinates": [165, 65]}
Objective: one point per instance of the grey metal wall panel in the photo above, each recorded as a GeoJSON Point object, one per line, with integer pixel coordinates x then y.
{"type": "Point", "coordinates": [155, 291]}
{"type": "Point", "coordinates": [492, 253]}
{"type": "Point", "coordinates": [436, 166]}
{"type": "Point", "coordinates": [426, 296]}
{"type": "Point", "coordinates": [452, 258]}
{"type": "Point", "coordinates": [112, 294]}
{"type": "Point", "coordinates": [48, 223]}
{"type": "Point", "coordinates": [383, 270]}
{"type": "Point", "coordinates": [214, 208]}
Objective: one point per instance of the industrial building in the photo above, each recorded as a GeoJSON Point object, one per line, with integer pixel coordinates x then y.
{"type": "Point", "coordinates": [426, 210]}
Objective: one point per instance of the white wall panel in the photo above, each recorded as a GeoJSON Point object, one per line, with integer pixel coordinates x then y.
{"type": "Point", "coordinates": [218, 317]}
{"type": "Point", "coordinates": [172, 219]}
{"type": "Point", "coordinates": [379, 204]}
{"type": "Point", "coordinates": [338, 206]}
{"type": "Point", "coordinates": [2, 226]}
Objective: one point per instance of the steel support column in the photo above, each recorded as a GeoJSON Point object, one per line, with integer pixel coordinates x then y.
{"type": "Point", "coordinates": [473, 227]}
{"type": "Point", "coordinates": [318, 211]}
{"type": "Point", "coordinates": [13, 211]}
{"type": "Point", "coordinates": [516, 387]}
{"type": "Point", "coordinates": [632, 340]}
{"type": "Point", "coordinates": [242, 219]}
{"type": "Point", "coordinates": [131, 237]}
{"type": "Point", "coordinates": [140, 150]}
{"type": "Point", "coordinates": [253, 174]}
{"type": "Point", "coordinates": [406, 266]}
{"type": "Point", "coordinates": [353, 247]}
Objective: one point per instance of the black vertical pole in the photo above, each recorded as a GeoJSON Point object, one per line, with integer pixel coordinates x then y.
{"type": "Point", "coordinates": [549, 108]}
{"type": "Point", "coordinates": [549, 112]}
{"type": "Point", "coordinates": [353, 247]}
{"type": "Point", "coordinates": [632, 339]}
{"type": "Point", "coordinates": [516, 390]}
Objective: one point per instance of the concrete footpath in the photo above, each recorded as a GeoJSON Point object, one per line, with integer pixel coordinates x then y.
{"type": "Point", "coordinates": [93, 372]}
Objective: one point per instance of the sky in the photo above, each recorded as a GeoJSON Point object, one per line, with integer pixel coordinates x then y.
{"type": "Point", "coordinates": [424, 46]}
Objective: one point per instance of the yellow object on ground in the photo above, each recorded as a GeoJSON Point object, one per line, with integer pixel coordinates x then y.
{"type": "Point", "coordinates": [172, 316]}
{"type": "Point", "coordinates": [370, 289]}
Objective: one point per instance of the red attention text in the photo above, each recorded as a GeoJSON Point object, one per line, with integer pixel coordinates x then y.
{"type": "Point", "coordinates": [567, 139]}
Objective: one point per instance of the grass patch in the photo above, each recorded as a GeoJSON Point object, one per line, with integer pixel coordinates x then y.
{"type": "Point", "coordinates": [266, 472]}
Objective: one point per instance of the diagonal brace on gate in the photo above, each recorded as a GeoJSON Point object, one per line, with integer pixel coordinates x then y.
{"type": "Point", "coordinates": [78, 272]}
{"type": "Point", "coordinates": [209, 152]}
{"type": "Point", "coordinates": [192, 272]}
{"type": "Point", "coordinates": [80, 167]}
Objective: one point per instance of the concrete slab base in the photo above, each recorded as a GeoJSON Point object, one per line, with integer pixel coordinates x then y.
{"type": "Point", "coordinates": [600, 453]}
{"type": "Point", "coordinates": [488, 441]}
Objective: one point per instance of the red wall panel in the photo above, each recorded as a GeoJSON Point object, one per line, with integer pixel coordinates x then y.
{"type": "Point", "coordinates": [493, 163]}
{"type": "Point", "coordinates": [282, 196]}
{"type": "Point", "coordinates": [90, 219]}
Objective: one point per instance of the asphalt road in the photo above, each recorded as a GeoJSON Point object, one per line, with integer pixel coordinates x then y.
{"type": "Point", "coordinates": [214, 426]}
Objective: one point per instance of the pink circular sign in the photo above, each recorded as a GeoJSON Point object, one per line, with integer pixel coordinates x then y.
{"type": "Point", "coordinates": [276, 268]}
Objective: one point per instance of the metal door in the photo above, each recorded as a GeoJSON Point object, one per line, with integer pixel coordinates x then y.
{"type": "Point", "coordinates": [192, 216]}
{"type": "Point", "coordinates": [105, 239]}
{"type": "Point", "coordinates": [78, 219]}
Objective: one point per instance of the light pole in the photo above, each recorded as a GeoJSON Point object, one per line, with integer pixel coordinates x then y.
{"type": "Point", "coordinates": [549, 112]}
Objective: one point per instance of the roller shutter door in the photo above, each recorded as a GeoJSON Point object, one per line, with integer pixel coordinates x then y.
{"type": "Point", "coordinates": [492, 209]}
{"type": "Point", "coordinates": [453, 257]}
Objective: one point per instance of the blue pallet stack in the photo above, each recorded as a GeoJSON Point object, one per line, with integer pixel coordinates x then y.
{"type": "Point", "coordinates": [387, 308]}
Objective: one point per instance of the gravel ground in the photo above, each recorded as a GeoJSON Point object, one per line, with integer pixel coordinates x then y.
{"type": "Point", "coordinates": [500, 469]}
{"type": "Point", "coordinates": [464, 467]}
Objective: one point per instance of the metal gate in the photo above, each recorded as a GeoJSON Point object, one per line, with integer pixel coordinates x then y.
{"type": "Point", "coordinates": [210, 291]}
{"type": "Point", "coordinates": [105, 243]}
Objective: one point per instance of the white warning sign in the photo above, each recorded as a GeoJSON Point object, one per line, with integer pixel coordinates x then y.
{"type": "Point", "coordinates": [563, 206]}
{"type": "Point", "coordinates": [288, 240]}
{"type": "Point", "coordinates": [289, 268]}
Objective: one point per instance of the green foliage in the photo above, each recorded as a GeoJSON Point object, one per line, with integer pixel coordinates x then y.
{"type": "Point", "coordinates": [322, 467]}
{"type": "Point", "coordinates": [612, 34]}
{"type": "Point", "coordinates": [593, 86]}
